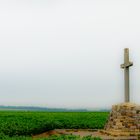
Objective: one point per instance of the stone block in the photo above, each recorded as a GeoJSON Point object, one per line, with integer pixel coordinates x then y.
{"type": "Point", "coordinates": [125, 118]}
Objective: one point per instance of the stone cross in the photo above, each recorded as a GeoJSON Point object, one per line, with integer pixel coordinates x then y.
{"type": "Point", "coordinates": [126, 66]}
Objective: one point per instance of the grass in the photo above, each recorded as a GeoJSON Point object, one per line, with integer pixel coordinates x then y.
{"type": "Point", "coordinates": [62, 137]}
{"type": "Point", "coordinates": [16, 125]}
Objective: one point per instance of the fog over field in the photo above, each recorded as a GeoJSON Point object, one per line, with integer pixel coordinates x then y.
{"type": "Point", "coordinates": [67, 53]}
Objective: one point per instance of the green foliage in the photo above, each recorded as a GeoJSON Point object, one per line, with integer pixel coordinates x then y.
{"type": "Point", "coordinates": [62, 137]}
{"type": "Point", "coordinates": [17, 123]}
{"type": "Point", "coordinates": [5, 137]}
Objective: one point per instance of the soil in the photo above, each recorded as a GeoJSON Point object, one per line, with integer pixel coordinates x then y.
{"type": "Point", "coordinates": [85, 132]}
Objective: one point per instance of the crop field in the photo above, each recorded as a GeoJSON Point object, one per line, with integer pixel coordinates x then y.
{"type": "Point", "coordinates": [22, 125]}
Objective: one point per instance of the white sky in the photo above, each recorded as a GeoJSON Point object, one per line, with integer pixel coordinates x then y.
{"type": "Point", "coordinates": [67, 53]}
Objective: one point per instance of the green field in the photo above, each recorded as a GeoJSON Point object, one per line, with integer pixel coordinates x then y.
{"type": "Point", "coordinates": [17, 125]}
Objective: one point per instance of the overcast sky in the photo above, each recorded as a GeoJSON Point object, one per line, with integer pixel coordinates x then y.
{"type": "Point", "coordinates": [67, 53]}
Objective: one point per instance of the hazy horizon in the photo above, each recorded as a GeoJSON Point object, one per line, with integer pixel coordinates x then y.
{"type": "Point", "coordinates": [67, 54]}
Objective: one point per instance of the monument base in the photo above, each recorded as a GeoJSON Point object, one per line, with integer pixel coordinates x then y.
{"type": "Point", "coordinates": [124, 119]}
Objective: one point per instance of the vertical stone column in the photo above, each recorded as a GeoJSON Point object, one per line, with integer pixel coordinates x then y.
{"type": "Point", "coordinates": [126, 66]}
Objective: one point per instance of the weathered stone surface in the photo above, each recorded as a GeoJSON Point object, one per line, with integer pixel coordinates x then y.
{"type": "Point", "coordinates": [123, 118]}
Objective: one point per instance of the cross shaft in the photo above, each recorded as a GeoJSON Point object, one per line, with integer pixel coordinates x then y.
{"type": "Point", "coordinates": [126, 66]}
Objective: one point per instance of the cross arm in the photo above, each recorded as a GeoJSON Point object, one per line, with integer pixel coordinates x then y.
{"type": "Point", "coordinates": [126, 65]}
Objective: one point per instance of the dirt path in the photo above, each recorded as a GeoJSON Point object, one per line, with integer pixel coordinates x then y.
{"type": "Point", "coordinates": [84, 132]}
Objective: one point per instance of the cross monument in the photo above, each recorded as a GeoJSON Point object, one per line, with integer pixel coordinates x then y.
{"type": "Point", "coordinates": [126, 66]}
